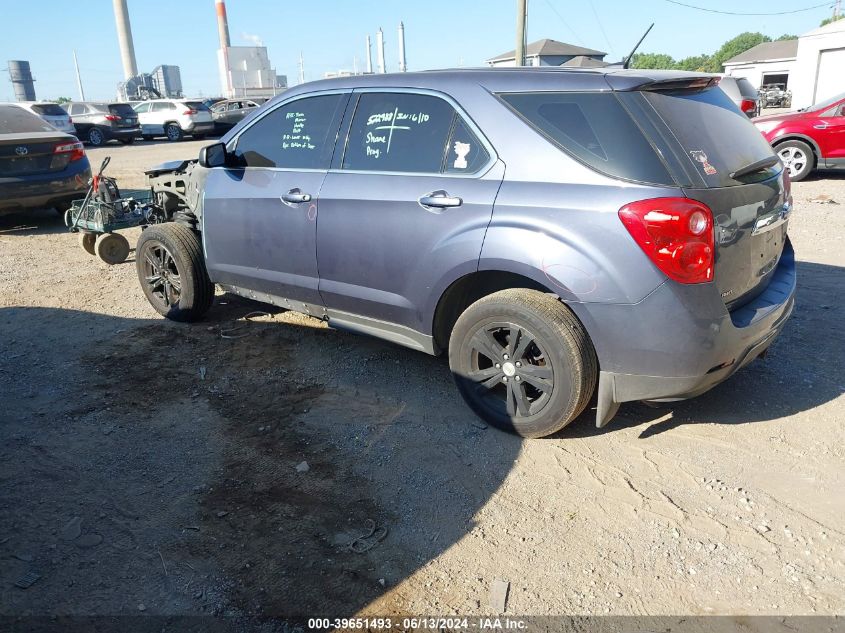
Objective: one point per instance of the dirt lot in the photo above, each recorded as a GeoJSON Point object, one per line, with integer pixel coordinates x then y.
{"type": "Point", "coordinates": [158, 468]}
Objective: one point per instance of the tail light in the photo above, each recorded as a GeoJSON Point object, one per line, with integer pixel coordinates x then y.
{"type": "Point", "coordinates": [676, 234]}
{"type": "Point", "coordinates": [112, 117]}
{"type": "Point", "coordinates": [76, 150]}
{"type": "Point", "coordinates": [748, 105]}
{"type": "Point", "coordinates": [190, 111]}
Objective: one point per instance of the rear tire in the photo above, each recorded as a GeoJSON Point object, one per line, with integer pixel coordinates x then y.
{"type": "Point", "coordinates": [173, 132]}
{"type": "Point", "coordinates": [96, 138]}
{"type": "Point", "coordinates": [798, 157]}
{"type": "Point", "coordinates": [523, 362]}
{"type": "Point", "coordinates": [172, 272]}
{"type": "Point", "coordinates": [112, 248]}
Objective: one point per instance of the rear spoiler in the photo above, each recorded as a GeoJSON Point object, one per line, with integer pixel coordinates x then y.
{"type": "Point", "coordinates": [693, 84]}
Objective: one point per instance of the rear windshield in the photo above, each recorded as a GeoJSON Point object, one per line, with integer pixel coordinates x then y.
{"type": "Point", "coordinates": [594, 128]}
{"type": "Point", "coordinates": [197, 105]}
{"type": "Point", "coordinates": [712, 133]}
{"type": "Point", "coordinates": [15, 120]}
{"type": "Point", "coordinates": [49, 109]}
{"type": "Point", "coordinates": [746, 88]}
{"type": "Point", "coordinates": [122, 110]}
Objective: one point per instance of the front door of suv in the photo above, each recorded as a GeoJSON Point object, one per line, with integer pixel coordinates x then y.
{"type": "Point", "coordinates": [260, 213]}
{"type": "Point", "coordinates": [403, 210]}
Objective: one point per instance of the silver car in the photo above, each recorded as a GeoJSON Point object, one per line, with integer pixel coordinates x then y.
{"type": "Point", "coordinates": [51, 112]}
{"type": "Point", "coordinates": [565, 236]}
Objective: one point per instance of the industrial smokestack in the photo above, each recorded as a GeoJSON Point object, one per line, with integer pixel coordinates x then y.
{"type": "Point", "coordinates": [124, 37]}
{"type": "Point", "coordinates": [402, 65]}
{"type": "Point", "coordinates": [369, 56]}
{"type": "Point", "coordinates": [380, 51]}
{"type": "Point", "coordinates": [22, 80]}
{"type": "Point", "coordinates": [222, 24]}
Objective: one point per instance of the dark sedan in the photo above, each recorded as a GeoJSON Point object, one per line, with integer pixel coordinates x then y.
{"type": "Point", "coordinates": [227, 114]}
{"type": "Point", "coordinates": [39, 166]}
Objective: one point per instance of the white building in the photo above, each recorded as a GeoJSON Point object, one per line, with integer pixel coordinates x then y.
{"type": "Point", "coordinates": [820, 66]}
{"type": "Point", "coordinates": [245, 71]}
{"type": "Point", "coordinates": [812, 66]}
{"type": "Point", "coordinates": [550, 53]}
{"type": "Point", "coordinates": [766, 63]}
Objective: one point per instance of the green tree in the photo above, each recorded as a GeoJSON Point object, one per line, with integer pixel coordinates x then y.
{"type": "Point", "coordinates": [786, 36]}
{"type": "Point", "coordinates": [830, 20]}
{"type": "Point", "coordinates": [734, 47]}
{"type": "Point", "coordinates": [652, 60]}
{"type": "Point", "coordinates": [696, 63]}
{"type": "Point", "coordinates": [63, 100]}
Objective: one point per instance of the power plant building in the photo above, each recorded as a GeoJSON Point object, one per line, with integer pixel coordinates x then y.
{"type": "Point", "coordinates": [245, 71]}
{"type": "Point", "coordinates": [168, 81]}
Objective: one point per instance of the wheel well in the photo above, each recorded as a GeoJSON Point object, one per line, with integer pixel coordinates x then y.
{"type": "Point", "coordinates": [466, 291]}
{"type": "Point", "coordinates": [806, 141]}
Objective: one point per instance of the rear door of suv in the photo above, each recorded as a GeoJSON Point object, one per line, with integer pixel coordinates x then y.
{"type": "Point", "coordinates": [260, 212]}
{"type": "Point", "coordinates": [405, 206]}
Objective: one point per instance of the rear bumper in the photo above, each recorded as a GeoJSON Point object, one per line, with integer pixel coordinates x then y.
{"type": "Point", "coordinates": [44, 190]}
{"type": "Point", "coordinates": [686, 344]}
{"type": "Point", "coordinates": [122, 133]}
{"type": "Point", "coordinates": [200, 128]}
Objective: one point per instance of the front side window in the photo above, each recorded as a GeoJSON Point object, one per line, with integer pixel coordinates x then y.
{"type": "Point", "coordinates": [142, 107]}
{"type": "Point", "coordinates": [297, 135]}
{"type": "Point", "coordinates": [399, 132]}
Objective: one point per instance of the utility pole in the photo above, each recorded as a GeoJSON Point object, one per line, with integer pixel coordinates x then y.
{"type": "Point", "coordinates": [78, 78]}
{"type": "Point", "coordinates": [301, 69]}
{"type": "Point", "coordinates": [837, 7]}
{"type": "Point", "coordinates": [521, 10]}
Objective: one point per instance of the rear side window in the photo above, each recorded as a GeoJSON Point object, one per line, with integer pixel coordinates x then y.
{"type": "Point", "coordinates": [594, 128]}
{"type": "Point", "coordinates": [298, 135]}
{"type": "Point", "coordinates": [717, 138]}
{"type": "Point", "coordinates": [399, 132]}
{"type": "Point", "coordinates": [163, 106]}
{"type": "Point", "coordinates": [15, 120]}
{"type": "Point", "coordinates": [49, 109]}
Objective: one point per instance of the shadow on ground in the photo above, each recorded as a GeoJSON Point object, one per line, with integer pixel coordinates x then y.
{"type": "Point", "coordinates": [275, 468]}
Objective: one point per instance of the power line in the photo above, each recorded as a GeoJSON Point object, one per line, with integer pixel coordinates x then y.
{"type": "Point", "coordinates": [557, 13]}
{"type": "Point", "coordinates": [690, 6]}
{"type": "Point", "coordinates": [601, 27]}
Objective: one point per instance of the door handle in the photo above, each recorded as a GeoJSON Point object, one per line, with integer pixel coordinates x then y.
{"type": "Point", "coordinates": [821, 126]}
{"type": "Point", "coordinates": [295, 196]}
{"type": "Point", "coordinates": [440, 200]}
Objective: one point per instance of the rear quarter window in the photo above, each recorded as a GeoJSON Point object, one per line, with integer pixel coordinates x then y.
{"type": "Point", "coordinates": [594, 128]}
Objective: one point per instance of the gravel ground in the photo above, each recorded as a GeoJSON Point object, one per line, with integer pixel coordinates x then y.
{"type": "Point", "coordinates": [159, 468]}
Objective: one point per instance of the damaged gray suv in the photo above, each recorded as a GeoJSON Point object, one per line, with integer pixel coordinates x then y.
{"type": "Point", "coordinates": [567, 236]}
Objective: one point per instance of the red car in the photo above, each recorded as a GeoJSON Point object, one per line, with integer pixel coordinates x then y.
{"type": "Point", "coordinates": [809, 138]}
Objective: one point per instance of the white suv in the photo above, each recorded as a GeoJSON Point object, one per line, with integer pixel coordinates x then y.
{"type": "Point", "coordinates": [174, 118]}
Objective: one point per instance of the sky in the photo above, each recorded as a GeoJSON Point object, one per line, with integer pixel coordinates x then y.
{"type": "Point", "coordinates": [331, 34]}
